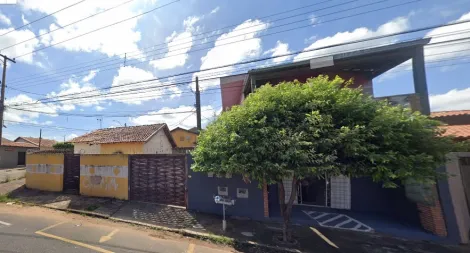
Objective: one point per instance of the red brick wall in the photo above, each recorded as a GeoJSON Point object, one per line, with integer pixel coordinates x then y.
{"type": "Point", "coordinates": [432, 218]}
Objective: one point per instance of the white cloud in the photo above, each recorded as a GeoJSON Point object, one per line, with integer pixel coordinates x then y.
{"type": "Point", "coordinates": [186, 120]}
{"type": "Point", "coordinates": [110, 41]}
{"type": "Point", "coordinates": [453, 100]}
{"type": "Point", "coordinates": [90, 76]}
{"type": "Point", "coordinates": [442, 51]}
{"type": "Point", "coordinates": [24, 20]}
{"type": "Point", "coordinates": [215, 10]}
{"type": "Point", "coordinates": [5, 20]}
{"type": "Point", "coordinates": [131, 74]}
{"type": "Point", "coordinates": [48, 122]}
{"type": "Point", "coordinates": [178, 45]}
{"type": "Point", "coordinates": [279, 49]}
{"type": "Point", "coordinates": [99, 108]}
{"type": "Point", "coordinates": [70, 93]}
{"type": "Point", "coordinates": [70, 136]}
{"type": "Point", "coordinates": [23, 114]}
{"type": "Point", "coordinates": [15, 37]}
{"type": "Point", "coordinates": [313, 19]}
{"type": "Point", "coordinates": [396, 25]}
{"type": "Point", "coordinates": [224, 53]}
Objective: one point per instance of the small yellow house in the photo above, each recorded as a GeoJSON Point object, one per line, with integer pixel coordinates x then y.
{"type": "Point", "coordinates": [184, 139]}
{"type": "Point", "coordinates": [146, 139]}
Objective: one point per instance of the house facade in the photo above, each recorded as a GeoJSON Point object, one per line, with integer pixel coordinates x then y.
{"type": "Point", "coordinates": [13, 154]}
{"type": "Point", "coordinates": [348, 197]}
{"type": "Point", "coordinates": [147, 139]}
{"type": "Point", "coordinates": [185, 139]}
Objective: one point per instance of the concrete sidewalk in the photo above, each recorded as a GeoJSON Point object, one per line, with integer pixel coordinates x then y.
{"type": "Point", "coordinates": [7, 175]}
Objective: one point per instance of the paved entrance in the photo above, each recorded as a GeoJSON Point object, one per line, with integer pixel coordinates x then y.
{"type": "Point", "coordinates": [336, 220]}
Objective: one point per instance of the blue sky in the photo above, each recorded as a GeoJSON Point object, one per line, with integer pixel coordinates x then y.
{"type": "Point", "coordinates": [194, 32]}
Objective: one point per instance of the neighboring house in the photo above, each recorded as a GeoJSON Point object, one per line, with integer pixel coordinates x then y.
{"type": "Point", "coordinates": [46, 144]}
{"type": "Point", "coordinates": [13, 154]}
{"type": "Point", "coordinates": [185, 139]}
{"type": "Point", "coordinates": [356, 196]}
{"type": "Point", "coordinates": [147, 139]}
{"type": "Point", "coordinates": [457, 123]}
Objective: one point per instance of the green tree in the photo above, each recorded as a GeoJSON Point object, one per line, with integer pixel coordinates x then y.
{"type": "Point", "coordinates": [319, 128]}
{"type": "Point", "coordinates": [63, 146]}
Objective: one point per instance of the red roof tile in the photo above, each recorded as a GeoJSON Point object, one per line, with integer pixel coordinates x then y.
{"type": "Point", "coordinates": [458, 131]}
{"type": "Point", "coordinates": [121, 134]}
{"type": "Point", "coordinates": [8, 143]}
{"type": "Point", "coordinates": [449, 113]}
{"type": "Point", "coordinates": [35, 141]}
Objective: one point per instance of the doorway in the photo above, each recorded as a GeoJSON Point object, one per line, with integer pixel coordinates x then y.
{"type": "Point", "coordinates": [21, 158]}
{"type": "Point", "coordinates": [313, 191]}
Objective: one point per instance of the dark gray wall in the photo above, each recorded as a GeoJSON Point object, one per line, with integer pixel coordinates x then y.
{"type": "Point", "coordinates": [9, 156]}
{"type": "Point", "coordinates": [202, 189]}
{"type": "Point", "coordinates": [367, 196]}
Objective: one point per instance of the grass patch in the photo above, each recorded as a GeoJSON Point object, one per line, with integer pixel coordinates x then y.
{"type": "Point", "coordinates": [92, 208]}
{"type": "Point", "coordinates": [5, 198]}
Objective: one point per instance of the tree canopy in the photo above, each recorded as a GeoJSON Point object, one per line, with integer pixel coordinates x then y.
{"type": "Point", "coordinates": [321, 127]}
{"type": "Point", "coordinates": [63, 145]}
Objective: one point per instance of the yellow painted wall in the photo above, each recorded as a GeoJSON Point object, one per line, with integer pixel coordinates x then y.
{"type": "Point", "coordinates": [180, 137]}
{"type": "Point", "coordinates": [104, 176]}
{"type": "Point", "coordinates": [45, 172]}
{"type": "Point", "coordinates": [125, 148]}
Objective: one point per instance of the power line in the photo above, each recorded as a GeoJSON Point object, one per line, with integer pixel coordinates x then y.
{"type": "Point", "coordinates": [233, 42]}
{"type": "Point", "coordinates": [45, 126]}
{"type": "Point", "coordinates": [222, 28]}
{"type": "Point", "coordinates": [48, 15]}
{"type": "Point", "coordinates": [262, 59]}
{"type": "Point", "coordinates": [98, 29]}
{"type": "Point", "coordinates": [64, 26]}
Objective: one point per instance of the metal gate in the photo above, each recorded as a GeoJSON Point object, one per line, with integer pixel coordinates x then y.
{"type": "Point", "coordinates": [71, 173]}
{"type": "Point", "coordinates": [464, 163]}
{"type": "Point", "coordinates": [158, 178]}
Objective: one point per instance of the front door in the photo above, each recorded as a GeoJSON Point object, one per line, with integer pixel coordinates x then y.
{"type": "Point", "coordinates": [313, 191]}
{"type": "Point", "coordinates": [21, 158]}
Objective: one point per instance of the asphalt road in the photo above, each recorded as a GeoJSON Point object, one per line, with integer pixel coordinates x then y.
{"type": "Point", "coordinates": [42, 230]}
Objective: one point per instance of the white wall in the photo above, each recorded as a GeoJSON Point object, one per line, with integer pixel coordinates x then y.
{"type": "Point", "coordinates": [84, 148]}
{"type": "Point", "coordinates": [158, 144]}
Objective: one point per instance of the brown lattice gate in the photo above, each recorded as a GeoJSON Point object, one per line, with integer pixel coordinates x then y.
{"type": "Point", "coordinates": [158, 178]}
{"type": "Point", "coordinates": [71, 173]}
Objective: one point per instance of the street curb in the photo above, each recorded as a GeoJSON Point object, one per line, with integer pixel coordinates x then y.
{"type": "Point", "coordinates": [185, 232]}
{"type": "Point", "coordinates": [199, 235]}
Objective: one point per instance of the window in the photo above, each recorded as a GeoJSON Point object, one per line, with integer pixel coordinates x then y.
{"type": "Point", "coordinates": [182, 138]}
{"type": "Point", "coordinates": [188, 138]}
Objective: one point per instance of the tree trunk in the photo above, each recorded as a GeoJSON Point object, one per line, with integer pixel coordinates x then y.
{"type": "Point", "coordinates": [286, 208]}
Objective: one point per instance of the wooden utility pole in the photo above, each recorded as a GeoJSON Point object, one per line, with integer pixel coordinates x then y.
{"type": "Point", "coordinates": [40, 138]}
{"type": "Point", "coordinates": [198, 105]}
{"type": "Point", "coordinates": [2, 99]}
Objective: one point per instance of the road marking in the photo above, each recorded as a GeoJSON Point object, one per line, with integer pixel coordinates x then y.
{"type": "Point", "coordinates": [321, 215]}
{"type": "Point", "coordinates": [97, 249]}
{"type": "Point", "coordinates": [324, 238]}
{"type": "Point", "coordinates": [5, 223]}
{"type": "Point", "coordinates": [191, 248]}
{"type": "Point", "coordinates": [109, 236]}
{"type": "Point", "coordinates": [332, 219]}
{"type": "Point", "coordinates": [55, 225]}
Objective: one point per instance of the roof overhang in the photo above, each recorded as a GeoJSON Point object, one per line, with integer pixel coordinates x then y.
{"type": "Point", "coordinates": [370, 62]}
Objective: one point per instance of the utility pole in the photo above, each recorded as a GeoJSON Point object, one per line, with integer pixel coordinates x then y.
{"type": "Point", "coordinates": [64, 138]}
{"type": "Point", "coordinates": [2, 99]}
{"type": "Point", "coordinates": [101, 121]}
{"type": "Point", "coordinates": [198, 105]}
{"type": "Point", "coordinates": [40, 138]}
